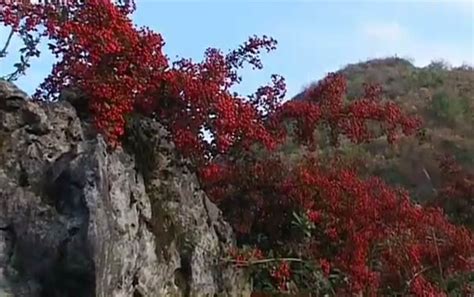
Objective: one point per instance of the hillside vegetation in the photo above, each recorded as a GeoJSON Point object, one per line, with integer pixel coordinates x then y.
{"type": "Point", "coordinates": [443, 96]}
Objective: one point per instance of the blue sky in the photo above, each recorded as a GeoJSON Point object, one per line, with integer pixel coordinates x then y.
{"type": "Point", "coordinates": [314, 37]}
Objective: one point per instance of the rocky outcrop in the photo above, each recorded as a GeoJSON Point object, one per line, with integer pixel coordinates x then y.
{"type": "Point", "coordinates": [79, 220]}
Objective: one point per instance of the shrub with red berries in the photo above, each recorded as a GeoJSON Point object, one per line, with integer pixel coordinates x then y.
{"type": "Point", "coordinates": [456, 195]}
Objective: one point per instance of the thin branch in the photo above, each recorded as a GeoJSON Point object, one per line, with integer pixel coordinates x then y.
{"type": "Point", "coordinates": [263, 261]}
{"type": "Point", "coordinates": [3, 52]}
{"type": "Point", "coordinates": [440, 267]}
{"type": "Point", "coordinates": [415, 276]}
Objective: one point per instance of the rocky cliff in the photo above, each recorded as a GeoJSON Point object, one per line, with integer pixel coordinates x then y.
{"type": "Point", "coordinates": [79, 220]}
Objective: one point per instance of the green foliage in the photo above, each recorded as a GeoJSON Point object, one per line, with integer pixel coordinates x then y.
{"type": "Point", "coordinates": [439, 65]}
{"type": "Point", "coordinates": [392, 175]}
{"type": "Point", "coordinates": [460, 151]}
{"type": "Point", "coordinates": [393, 73]}
{"type": "Point", "coordinates": [303, 224]}
{"type": "Point", "coordinates": [353, 152]}
{"type": "Point", "coordinates": [449, 108]}
{"type": "Point", "coordinates": [355, 86]}
{"type": "Point", "coordinates": [428, 78]}
{"type": "Point", "coordinates": [455, 284]}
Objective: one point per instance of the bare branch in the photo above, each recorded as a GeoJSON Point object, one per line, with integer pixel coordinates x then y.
{"type": "Point", "coordinates": [3, 52]}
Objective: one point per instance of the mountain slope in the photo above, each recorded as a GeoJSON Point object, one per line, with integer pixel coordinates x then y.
{"type": "Point", "coordinates": [442, 96]}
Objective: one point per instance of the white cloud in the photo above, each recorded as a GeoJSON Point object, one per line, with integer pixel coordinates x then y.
{"type": "Point", "coordinates": [388, 39]}
{"type": "Point", "coordinates": [384, 32]}
{"type": "Point", "coordinates": [466, 6]}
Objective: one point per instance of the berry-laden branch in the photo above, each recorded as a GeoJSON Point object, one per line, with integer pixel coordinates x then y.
{"type": "Point", "coordinates": [366, 237]}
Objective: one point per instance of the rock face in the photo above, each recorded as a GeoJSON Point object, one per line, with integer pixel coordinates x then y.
{"type": "Point", "coordinates": [77, 220]}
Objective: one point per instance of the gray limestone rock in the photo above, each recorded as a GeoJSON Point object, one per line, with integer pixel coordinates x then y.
{"type": "Point", "coordinates": [77, 220]}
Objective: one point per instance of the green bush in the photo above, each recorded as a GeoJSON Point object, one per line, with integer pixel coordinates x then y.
{"type": "Point", "coordinates": [428, 78]}
{"type": "Point", "coordinates": [449, 108]}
